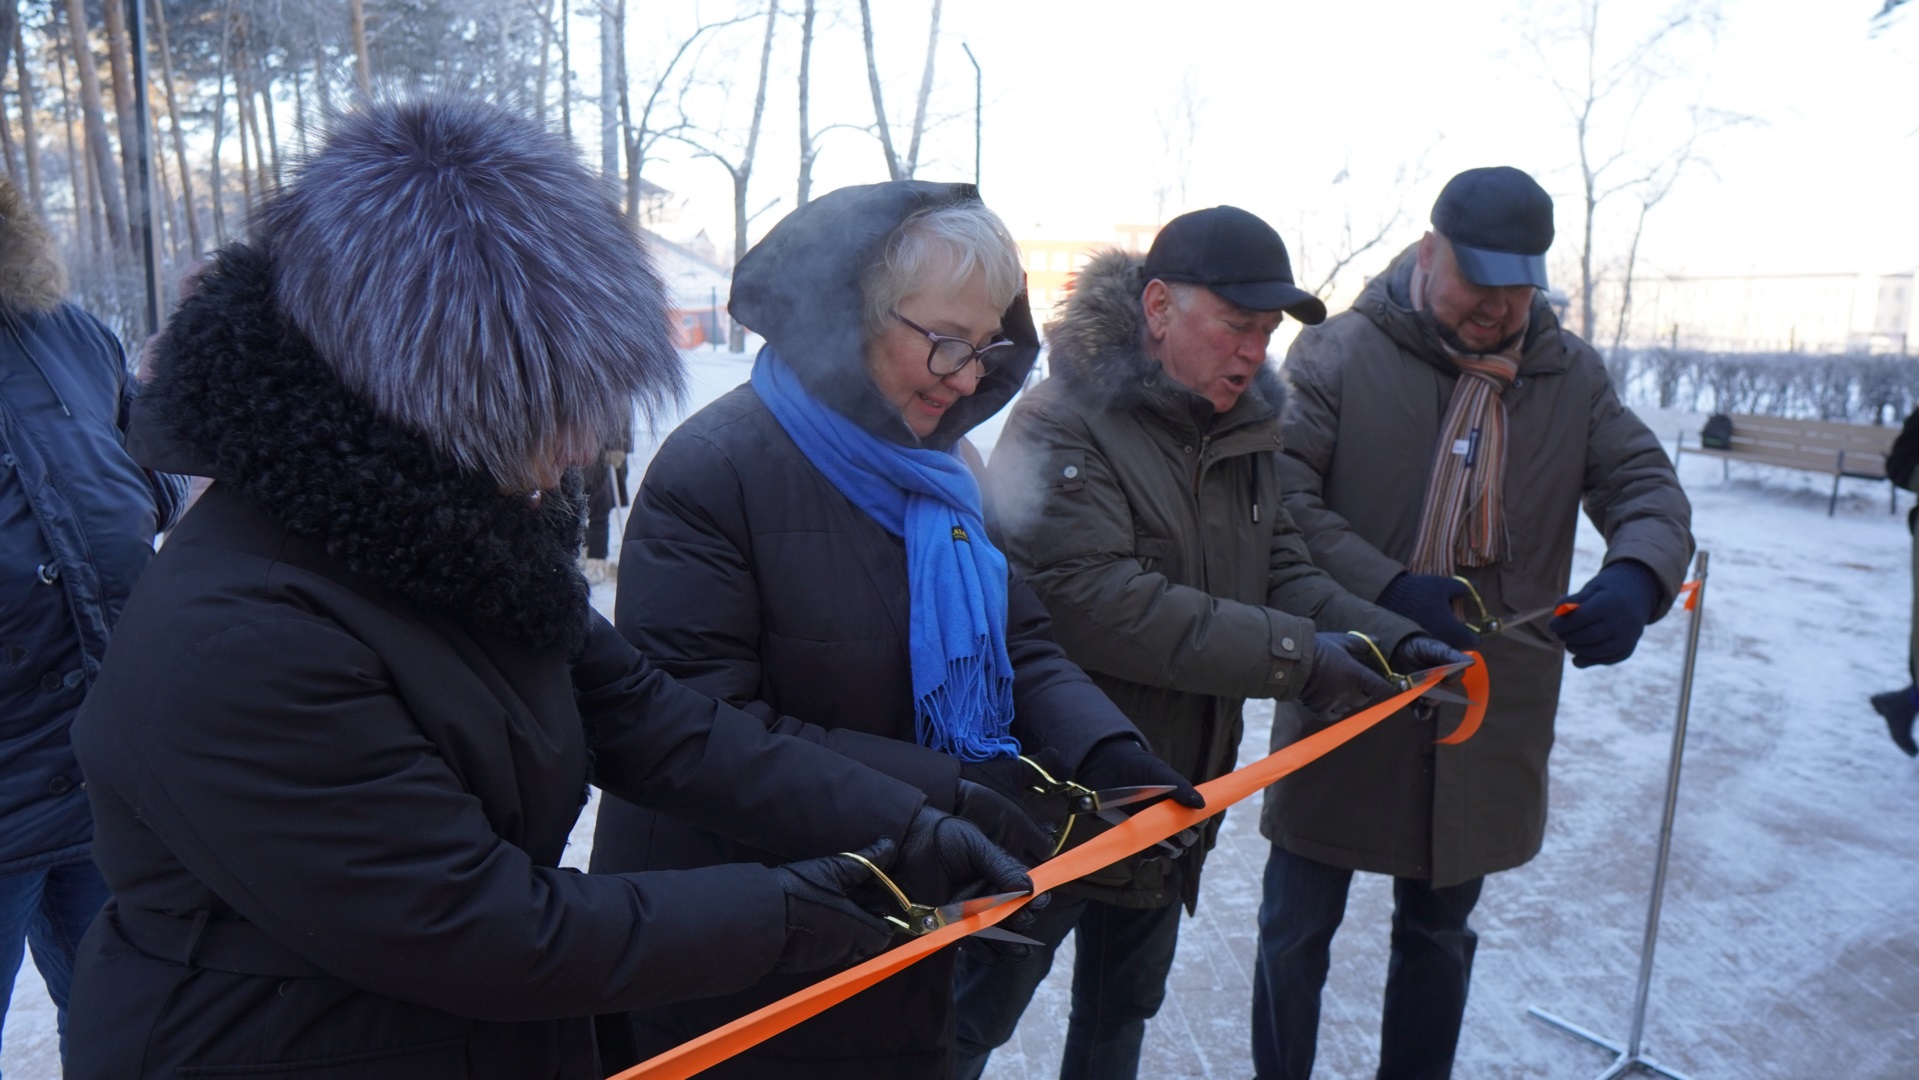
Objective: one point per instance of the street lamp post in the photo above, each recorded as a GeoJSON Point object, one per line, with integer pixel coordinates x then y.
{"type": "Point", "coordinates": [978, 82]}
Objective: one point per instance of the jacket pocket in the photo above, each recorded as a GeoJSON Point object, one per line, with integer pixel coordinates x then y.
{"type": "Point", "coordinates": [443, 1060]}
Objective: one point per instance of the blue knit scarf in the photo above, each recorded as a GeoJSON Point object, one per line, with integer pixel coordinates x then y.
{"type": "Point", "coordinates": [962, 677]}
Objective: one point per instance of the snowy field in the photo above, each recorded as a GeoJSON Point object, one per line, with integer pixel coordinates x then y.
{"type": "Point", "coordinates": [1789, 947]}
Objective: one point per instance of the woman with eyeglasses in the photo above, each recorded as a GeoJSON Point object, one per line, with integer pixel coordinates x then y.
{"type": "Point", "coordinates": [812, 547]}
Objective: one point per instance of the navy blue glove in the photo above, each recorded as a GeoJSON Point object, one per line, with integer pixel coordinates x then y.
{"type": "Point", "coordinates": [1614, 608]}
{"type": "Point", "coordinates": [1427, 599]}
{"type": "Point", "coordinates": [1419, 652]}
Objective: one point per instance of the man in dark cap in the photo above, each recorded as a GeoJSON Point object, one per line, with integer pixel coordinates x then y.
{"type": "Point", "coordinates": [1139, 496]}
{"type": "Point", "coordinates": [1439, 441]}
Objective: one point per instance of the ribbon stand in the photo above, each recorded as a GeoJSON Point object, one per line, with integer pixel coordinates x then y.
{"type": "Point", "coordinates": [1632, 1055]}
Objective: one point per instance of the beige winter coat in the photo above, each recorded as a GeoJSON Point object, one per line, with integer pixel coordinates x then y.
{"type": "Point", "coordinates": [1370, 388]}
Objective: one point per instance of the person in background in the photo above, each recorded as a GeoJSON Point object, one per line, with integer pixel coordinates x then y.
{"type": "Point", "coordinates": [77, 521]}
{"type": "Point", "coordinates": [1441, 439]}
{"type": "Point", "coordinates": [351, 713]}
{"type": "Point", "coordinates": [1898, 707]}
{"type": "Point", "coordinates": [1139, 493]}
{"type": "Point", "coordinates": [813, 548]}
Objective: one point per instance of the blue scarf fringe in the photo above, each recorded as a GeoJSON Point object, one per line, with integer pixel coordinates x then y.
{"type": "Point", "coordinates": [962, 675]}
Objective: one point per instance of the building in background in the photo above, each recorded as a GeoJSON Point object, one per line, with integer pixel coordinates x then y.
{"type": "Point", "coordinates": [1809, 313]}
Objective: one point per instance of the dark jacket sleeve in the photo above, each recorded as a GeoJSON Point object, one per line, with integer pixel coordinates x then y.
{"type": "Point", "coordinates": [1310, 432]}
{"type": "Point", "coordinates": [1077, 547]}
{"type": "Point", "coordinates": [1632, 494]}
{"type": "Point", "coordinates": [1904, 455]}
{"type": "Point", "coordinates": [339, 829]}
{"type": "Point", "coordinates": [1297, 585]}
{"type": "Point", "coordinates": [666, 747]}
{"type": "Point", "coordinates": [685, 551]}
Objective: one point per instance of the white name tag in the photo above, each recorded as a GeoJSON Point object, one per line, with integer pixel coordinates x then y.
{"type": "Point", "coordinates": [1462, 447]}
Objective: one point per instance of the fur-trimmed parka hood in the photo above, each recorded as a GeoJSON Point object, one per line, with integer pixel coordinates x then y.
{"type": "Point", "coordinates": [32, 277]}
{"type": "Point", "coordinates": [800, 289]}
{"type": "Point", "coordinates": [1098, 346]}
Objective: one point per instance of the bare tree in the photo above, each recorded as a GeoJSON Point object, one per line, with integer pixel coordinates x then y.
{"type": "Point", "coordinates": [740, 165]}
{"type": "Point", "coordinates": [29, 124]}
{"type": "Point", "coordinates": [362, 64]}
{"type": "Point", "coordinates": [1178, 132]}
{"type": "Point", "coordinates": [92, 112]}
{"type": "Point", "coordinates": [896, 167]}
{"type": "Point", "coordinates": [808, 149]}
{"type": "Point", "coordinates": [1353, 234]}
{"type": "Point", "coordinates": [612, 76]}
{"type": "Point", "coordinates": [1608, 93]}
{"type": "Point", "coordinates": [645, 132]}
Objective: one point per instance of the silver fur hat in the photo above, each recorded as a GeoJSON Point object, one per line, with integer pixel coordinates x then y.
{"type": "Point", "coordinates": [459, 269]}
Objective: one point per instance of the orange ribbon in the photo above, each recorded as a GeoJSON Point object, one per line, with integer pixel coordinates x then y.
{"type": "Point", "coordinates": [1477, 687]}
{"type": "Point", "coordinates": [1142, 830]}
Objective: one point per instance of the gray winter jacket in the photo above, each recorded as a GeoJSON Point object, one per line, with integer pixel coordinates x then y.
{"type": "Point", "coordinates": [1153, 530]}
{"type": "Point", "coordinates": [1370, 388]}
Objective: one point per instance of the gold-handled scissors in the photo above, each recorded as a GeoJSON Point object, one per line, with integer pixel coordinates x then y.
{"type": "Point", "coordinates": [1411, 679]}
{"type": "Point", "coordinates": [918, 920]}
{"type": "Point", "coordinates": [1081, 800]}
{"type": "Point", "coordinates": [1486, 624]}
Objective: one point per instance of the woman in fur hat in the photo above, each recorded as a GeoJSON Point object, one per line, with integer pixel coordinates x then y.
{"type": "Point", "coordinates": [813, 548]}
{"type": "Point", "coordinates": [351, 712]}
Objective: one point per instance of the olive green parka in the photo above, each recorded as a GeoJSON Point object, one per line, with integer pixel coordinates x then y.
{"type": "Point", "coordinates": [1153, 530]}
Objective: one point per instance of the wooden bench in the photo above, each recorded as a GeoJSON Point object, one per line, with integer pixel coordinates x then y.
{"type": "Point", "coordinates": [1821, 446]}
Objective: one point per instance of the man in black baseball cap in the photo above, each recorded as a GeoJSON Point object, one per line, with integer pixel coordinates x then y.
{"type": "Point", "coordinates": [1440, 441]}
{"type": "Point", "coordinates": [1138, 495]}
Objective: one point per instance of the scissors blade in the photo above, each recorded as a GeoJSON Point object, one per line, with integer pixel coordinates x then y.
{"type": "Point", "coordinates": [997, 934]}
{"type": "Point", "coordinates": [1443, 671]}
{"type": "Point", "coordinates": [960, 909]}
{"type": "Point", "coordinates": [1126, 796]}
{"type": "Point", "coordinates": [1437, 694]}
{"type": "Point", "coordinates": [1507, 622]}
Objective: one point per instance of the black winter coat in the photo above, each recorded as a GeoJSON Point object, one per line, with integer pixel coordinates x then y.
{"type": "Point", "coordinates": [748, 575]}
{"type": "Point", "coordinates": [333, 771]}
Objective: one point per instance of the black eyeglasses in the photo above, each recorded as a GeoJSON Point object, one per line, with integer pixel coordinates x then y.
{"type": "Point", "coordinates": [950, 355]}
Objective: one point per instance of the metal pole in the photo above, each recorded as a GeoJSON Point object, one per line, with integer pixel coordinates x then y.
{"type": "Point", "coordinates": [978, 100]}
{"type": "Point", "coordinates": [1632, 1055]}
{"type": "Point", "coordinates": [1672, 801]}
{"type": "Point", "coordinates": [143, 160]}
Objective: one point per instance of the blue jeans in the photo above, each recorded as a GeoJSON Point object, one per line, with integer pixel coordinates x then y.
{"type": "Point", "coordinates": [49, 909]}
{"type": "Point", "coordinates": [1122, 956]}
{"type": "Point", "coordinates": [1426, 978]}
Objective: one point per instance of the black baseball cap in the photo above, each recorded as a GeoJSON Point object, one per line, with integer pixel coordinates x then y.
{"type": "Point", "coordinates": [1500, 222]}
{"type": "Point", "coordinates": [1236, 255]}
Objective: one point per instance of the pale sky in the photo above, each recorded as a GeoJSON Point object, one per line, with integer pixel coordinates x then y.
{"type": "Point", "coordinates": [1080, 97]}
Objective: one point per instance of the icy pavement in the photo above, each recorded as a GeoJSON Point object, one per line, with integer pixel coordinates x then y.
{"type": "Point", "coordinates": [1788, 948]}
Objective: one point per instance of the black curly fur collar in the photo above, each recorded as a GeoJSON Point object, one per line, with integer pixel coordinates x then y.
{"type": "Point", "coordinates": [246, 396]}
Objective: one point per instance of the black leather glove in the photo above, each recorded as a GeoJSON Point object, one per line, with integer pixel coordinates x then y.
{"type": "Point", "coordinates": [1345, 677]}
{"type": "Point", "coordinates": [1120, 761]}
{"type": "Point", "coordinates": [944, 858]}
{"type": "Point", "coordinates": [823, 927]}
{"type": "Point", "coordinates": [1419, 652]}
{"type": "Point", "coordinates": [1614, 608]}
{"type": "Point", "coordinates": [1427, 599]}
{"type": "Point", "coordinates": [998, 796]}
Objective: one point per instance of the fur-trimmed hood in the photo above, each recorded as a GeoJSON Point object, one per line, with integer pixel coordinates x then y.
{"type": "Point", "coordinates": [32, 277]}
{"type": "Point", "coordinates": [800, 289]}
{"type": "Point", "coordinates": [1098, 345]}
{"type": "Point", "coordinates": [240, 395]}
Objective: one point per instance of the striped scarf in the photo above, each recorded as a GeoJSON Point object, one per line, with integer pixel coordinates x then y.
{"type": "Point", "coordinates": [1463, 522]}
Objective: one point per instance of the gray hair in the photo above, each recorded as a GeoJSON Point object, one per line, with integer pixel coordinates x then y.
{"type": "Point", "coordinates": [459, 269]}
{"type": "Point", "coordinates": [966, 235]}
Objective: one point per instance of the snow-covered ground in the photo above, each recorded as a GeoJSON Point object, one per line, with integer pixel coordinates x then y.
{"type": "Point", "coordinates": [1788, 948]}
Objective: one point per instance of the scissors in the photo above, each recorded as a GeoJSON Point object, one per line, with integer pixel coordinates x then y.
{"type": "Point", "coordinates": [1410, 679]}
{"type": "Point", "coordinates": [919, 920]}
{"type": "Point", "coordinates": [1081, 800]}
{"type": "Point", "coordinates": [1488, 624]}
